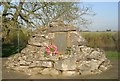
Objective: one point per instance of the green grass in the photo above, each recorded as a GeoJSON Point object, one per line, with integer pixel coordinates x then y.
{"type": "Point", "coordinates": [112, 55]}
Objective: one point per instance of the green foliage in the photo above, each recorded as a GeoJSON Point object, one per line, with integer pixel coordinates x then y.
{"type": "Point", "coordinates": [105, 40]}
{"type": "Point", "coordinates": [13, 37]}
{"type": "Point", "coordinates": [45, 54]}
{"type": "Point", "coordinates": [10, 46]}
{"type": "Point", "coordinates": [112, 54]}
{"type": "Point", "coordinates": [10, 49]}
{"type": "Point", "coordinates": [52, 49]}
{"type": "Point", "coordinates": [68, 50]}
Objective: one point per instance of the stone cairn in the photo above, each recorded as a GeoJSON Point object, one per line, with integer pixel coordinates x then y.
{"type": "Point", "coordinates": [74, 56]}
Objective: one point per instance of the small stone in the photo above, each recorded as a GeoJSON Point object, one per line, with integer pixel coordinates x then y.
{"type": "Point", "coordinates": [46, 37]}
{"type": "Point", "coordinates": [30, 49]}
{"type": "Point", "coordinates": [66, 64]}
{"type": "Point", "coordinates": [50, 71]}
{"type": "Point", "coordinates": [88, 65]}
{"type": "Point", "coordinates": [41, 64]}
{"type": "Point", "coordinates": [102, 68]}
{"type": "Point", "coordinates": [38, 41]}
{"type": "Point", "coordinates": [51, 36]}
{"type": "Point", "coordinates": [33, 71]}
{"type": "Point", "coordinates": [46, 64]}
{"type": "Point", "coordinates": [20, 68]}
{"type": "Point", "coordinates": [97, 71]}
{"type": "Point", "coordinates": [22, 62]}
{"type": "Point", "coordinates": [105, 65]}
{"type": "Point", "coordinates": [84, 66]}
{"type": "Point", "coordinates": [77, 39]}
{"type": "Point", "coordinates": [86, 49]}
{"type": "Point", "coordinates": [94, 64]}
{"type": "Point", "coordinates": [70, 73]}
{"type": "Point", "coordinates": [33, 64]}
{"type": "Point", "coordinates": [97, 55]}
{"type": "Point", "coordinates": [106, 62]}
{"type": "Point", "coordinates": [85, 72]}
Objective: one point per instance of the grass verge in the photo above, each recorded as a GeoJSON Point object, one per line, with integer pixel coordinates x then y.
{"type": "Point", "coordinates": [112, 54]}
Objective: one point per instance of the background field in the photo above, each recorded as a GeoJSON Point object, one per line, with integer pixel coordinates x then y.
{"type": "Point", "coordinates": [104, 40]}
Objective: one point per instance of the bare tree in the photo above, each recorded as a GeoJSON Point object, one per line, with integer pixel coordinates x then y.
{"type": "Point", "coordinates": [36, 14]}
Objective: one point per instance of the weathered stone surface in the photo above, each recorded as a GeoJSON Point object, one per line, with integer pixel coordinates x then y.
{"type": "Point", "coordinates": [84, 66]}
{"type": "Point", "coordinates": [77, 39]}
{"type": "Point", "coordinates": [33, 71]}
{"type": "Point", "coordinates": [85, 49]}
{"type": "Point", "coordinates": [66, 64]}
{"type": "Point", "coordinates": [85, 72]}
{"type": "Point", "coordinates": [41, 64]}
{"type": "Point", "coordinates": [22, 62]}
{"type": "Point", "coordinates": [97, 71]}
{"type": "Point", "coordinates": [102, 68]}
{"type": "Point", "coordinates": [46, 64]}
{"type": "Point", "coordinates": [105, 65]}
{"type": "Point", "coordinates": [37, 42]}
{"type": "Point", "coordinates": [31, 49]}
{"type": "Point", "coordinates": [106, 62]}
{"type": "Point", "coordinates": [62, 29]}
{"type": "Point", "coordinates": [50, 36]}
{"type": "Point", "coordinates": [97, 55]}
{"type": "Point", "coordinates": [70, 73]}
{"type": "Point", "coordinates": [94, 64]}
{"type": "Point", "coordinates": [58, 57]}
{"type": "Point", "coordinates": [50, 71]}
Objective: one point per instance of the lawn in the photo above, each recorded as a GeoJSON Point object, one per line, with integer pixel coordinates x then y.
{"type": "Point", "coordinates": [112, 55]}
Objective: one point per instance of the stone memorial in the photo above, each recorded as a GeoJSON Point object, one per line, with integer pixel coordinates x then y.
{"type": "Point", "coordinates": [58, 49]}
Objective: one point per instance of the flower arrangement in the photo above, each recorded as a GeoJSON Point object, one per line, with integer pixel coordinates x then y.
{"type": "Point", "coordinates": [51, 50]}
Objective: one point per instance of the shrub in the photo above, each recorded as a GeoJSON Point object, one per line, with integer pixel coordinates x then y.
{"type": "Point", "coordinates": [104, 40]}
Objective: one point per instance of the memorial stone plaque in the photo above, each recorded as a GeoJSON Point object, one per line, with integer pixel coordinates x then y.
{"type": "Point", "coordinates": [61, 41]}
